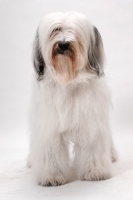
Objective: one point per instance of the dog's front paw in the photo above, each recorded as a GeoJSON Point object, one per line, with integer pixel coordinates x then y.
{"type": "Point", "coordinates": [55, 180]}
{"type": "Point", "coordinates": [95, 174]}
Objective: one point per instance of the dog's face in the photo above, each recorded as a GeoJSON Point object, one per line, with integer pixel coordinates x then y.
{"type": "Point", "coordinates": [68, 45]}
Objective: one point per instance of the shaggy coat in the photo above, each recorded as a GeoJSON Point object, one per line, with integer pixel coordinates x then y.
{"type": "Point", "coordinates": [70, 102]}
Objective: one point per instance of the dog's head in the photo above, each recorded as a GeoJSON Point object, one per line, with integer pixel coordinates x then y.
{"type": "Point", "coordinates": [68, 45]}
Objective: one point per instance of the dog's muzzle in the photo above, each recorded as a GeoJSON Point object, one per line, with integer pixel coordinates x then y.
{"type": "Point", "coordinates": [63, 47]}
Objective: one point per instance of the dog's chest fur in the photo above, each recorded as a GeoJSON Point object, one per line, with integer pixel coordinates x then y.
{"type": "Point", "coordinates": [72, 110]}
{"type": "Point", "coordinates": [72, 107]}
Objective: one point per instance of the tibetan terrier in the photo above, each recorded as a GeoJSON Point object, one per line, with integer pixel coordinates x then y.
{"type": "Point", "coordinates": [71, 102]}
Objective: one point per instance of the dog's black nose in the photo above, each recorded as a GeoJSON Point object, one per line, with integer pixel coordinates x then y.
{"type": "Point", "coordinates": [63, 46]}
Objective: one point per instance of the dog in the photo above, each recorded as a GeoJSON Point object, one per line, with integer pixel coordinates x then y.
{"type": "Point", "coordinates": [71, 102]}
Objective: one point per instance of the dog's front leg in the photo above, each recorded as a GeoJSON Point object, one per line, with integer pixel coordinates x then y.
{"type": "Point", "coordinates": [95, 159]}
{"type": "Point", "coordinates": [51, 161]}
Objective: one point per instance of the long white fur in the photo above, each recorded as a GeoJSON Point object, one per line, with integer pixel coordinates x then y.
{"type": "Point", "coordinates": [76, 111]}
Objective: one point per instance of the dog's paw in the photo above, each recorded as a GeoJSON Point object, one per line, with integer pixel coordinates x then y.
{"type": "Point", "coordinates": [52, 180]}
{"type": "Point", "coordinates": [95, 174]}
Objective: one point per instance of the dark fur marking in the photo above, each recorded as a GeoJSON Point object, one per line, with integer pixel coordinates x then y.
{"type": "Point", "coordinates": [38, 60]}
{"type": "Point", "coordinates": [96, 58]}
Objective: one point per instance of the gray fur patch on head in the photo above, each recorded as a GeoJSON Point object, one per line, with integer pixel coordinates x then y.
{"type": "Point", "coordinates": [96, 54]}
{"type": "Point", "coordinates": [38, 60]}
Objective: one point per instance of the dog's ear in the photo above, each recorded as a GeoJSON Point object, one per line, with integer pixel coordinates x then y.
{"type": "Point", "coordinates": [38, 60]}
{"type": "Point", "coordinates": [96, 54]}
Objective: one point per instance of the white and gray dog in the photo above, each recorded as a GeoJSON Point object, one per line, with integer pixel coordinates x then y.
{"type": "Point", "coordinates": [71, 101]}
